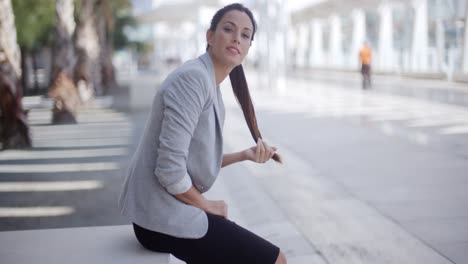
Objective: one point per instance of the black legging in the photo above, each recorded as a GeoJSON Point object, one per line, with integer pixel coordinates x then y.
{"type": "Point", "coordinates": [224, 242]}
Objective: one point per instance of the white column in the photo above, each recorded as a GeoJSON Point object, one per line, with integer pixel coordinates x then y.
{"type": "Point", "coordinates": [316, 50]}
{"type": "Point", "coordinates": [359, 36]}
{"type": "Point", "coordinates": [157, 42]}
{"type": "Point", "coordinates": [386, 52]}
{"type": "Point", "coordinates": [336, 40]}
{"type": "Point", "coordinates": [202, 25]}
{"type": "Point", "coordinates": [291, 46]}
{"type": "Point", "coordinates": [440, 46]}
{"type": "Point", "coordinates": [465, 44]}
{"type": "Point", "coordinates": [302, 37]}
{"type": "Point", "coordinates": [419, 50]}
{"type": "Point", "coordinates": [274, 20]}
{"type": "Point", "coordinates": [279, 50]}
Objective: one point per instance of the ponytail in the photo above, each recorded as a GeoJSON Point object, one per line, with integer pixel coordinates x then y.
{"type": "Point", "coordinates": [241, 92]}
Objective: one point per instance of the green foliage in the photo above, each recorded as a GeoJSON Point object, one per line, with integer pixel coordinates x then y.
{"type": "Point", "coordinates": [117, 5]}
{"type": "Point", "coordinates": [35, 22]}
{"type": "Point", "coordinates": [122, 20]}
{"type": "Point", "coordinates": [142, 47]}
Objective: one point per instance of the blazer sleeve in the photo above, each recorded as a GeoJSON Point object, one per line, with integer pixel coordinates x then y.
{"type": "Point", "coordinates": [184, 101]}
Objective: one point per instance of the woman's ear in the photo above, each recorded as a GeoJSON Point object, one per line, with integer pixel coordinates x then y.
{"type": "Point", "coordinates": [209, 37]}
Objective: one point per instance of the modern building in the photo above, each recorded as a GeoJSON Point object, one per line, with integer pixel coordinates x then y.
{"type": "Point", "coordinates": [427, 38]}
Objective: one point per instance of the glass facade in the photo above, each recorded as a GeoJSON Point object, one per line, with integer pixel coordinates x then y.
{"type": "Point", "coordinates": [422, 36]}
{"type": "Point", "coordinates": [414, 36]}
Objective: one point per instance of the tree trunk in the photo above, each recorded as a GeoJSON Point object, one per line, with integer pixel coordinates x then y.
{"type": "Point", "coordinates": [64, 55]}
{"type": "Point", "coordinates": [62, 88]}
{"type": "Point", "coordinates": [109, 81]}
{"type": "Point", "coordinates": [105, 28]}
{"type": "Point", "coordinates": [87, 71]}
{"type": "Point", "coordinates": [34, 71]}
{"type": "Point", "coordinates": [14, 131]}
{"type": "Point", "coordinates": [25, 71]}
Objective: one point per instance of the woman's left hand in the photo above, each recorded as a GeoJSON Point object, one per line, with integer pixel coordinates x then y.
{"type": "Point", "coordinates": [260, 153]}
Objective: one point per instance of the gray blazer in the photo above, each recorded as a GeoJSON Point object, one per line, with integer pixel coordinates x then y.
{"type": "Point", "coordinates": [182, 144]}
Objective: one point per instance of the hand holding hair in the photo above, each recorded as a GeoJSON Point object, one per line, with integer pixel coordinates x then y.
{"type": "Point", "coordinates": [271, 151]}
{"type": "Point", "coordinates": [262, 152]}
{"type": "Point", "coordinates": [242, 94]}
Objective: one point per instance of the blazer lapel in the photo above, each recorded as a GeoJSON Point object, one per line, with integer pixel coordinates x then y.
{"type": "Point", "coordinates": [206, 59]}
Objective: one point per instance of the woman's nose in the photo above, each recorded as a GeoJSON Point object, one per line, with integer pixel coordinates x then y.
{"type": "Point", "coordinates": [236, 39]}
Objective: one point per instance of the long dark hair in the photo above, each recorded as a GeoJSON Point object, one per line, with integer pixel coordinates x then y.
{"type": "Point", "coordinates": [237, 76]}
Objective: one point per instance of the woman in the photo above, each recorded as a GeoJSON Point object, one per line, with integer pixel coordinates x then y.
{"type": "Point", "coordinates": [180, 155]}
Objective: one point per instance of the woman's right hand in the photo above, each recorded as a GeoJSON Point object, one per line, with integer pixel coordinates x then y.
{"type": "Point", "coordinates": [260, 153]}
{"type": "Point", "coordinates": [195, 198]}
{"type": "Point", "coordinates": [216, 208]}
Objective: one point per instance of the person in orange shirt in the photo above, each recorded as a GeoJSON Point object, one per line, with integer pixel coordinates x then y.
{"type": "Point", "coordinates": [365, 57]}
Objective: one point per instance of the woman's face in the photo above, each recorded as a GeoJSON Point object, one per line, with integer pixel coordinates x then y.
{"type": "Point", "coordinates": [230, 42]}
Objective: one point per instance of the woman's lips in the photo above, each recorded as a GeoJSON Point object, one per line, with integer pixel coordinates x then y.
{"type": "Point", "coordinates": [233, 50]}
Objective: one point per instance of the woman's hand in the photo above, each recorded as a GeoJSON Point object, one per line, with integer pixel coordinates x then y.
{"type": "Point", "coordinates": [260, 153]}
{"type": "Point", "coordinates": [216, 208]}
{"type": "Point", "coordinates": [195, 198]}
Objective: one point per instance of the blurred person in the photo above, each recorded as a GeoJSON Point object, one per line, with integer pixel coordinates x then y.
{"type": "Point", "coordinates": [66, 99]}
{"type": "Point", "coordinates": [365, 58]}
{"type": "Point", "coordinates": [181, 152]}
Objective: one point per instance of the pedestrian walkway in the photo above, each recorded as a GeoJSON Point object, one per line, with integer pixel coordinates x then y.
{"type": "Point", "coordinates": [104, 133]}
{"type": "Point", "coordinates": [53, 184]}
{"type": "Point", "coordinates": [252, 207]}
{"type": "Point", "coordinates": [417, 119]}
{"type": "Point", "coordinates": [341, 227]}
{"type": "Point", "coordinates": [391, 83]}
{"type": "Point", "coordinates": [313, 218]}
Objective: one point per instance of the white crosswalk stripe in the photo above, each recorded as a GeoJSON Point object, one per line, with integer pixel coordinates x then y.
{"type": "Point", "coordinates": [55, 154]}
{"type": "Point", "coordinates": [100, 133]}
{"type": "Point", "coordinates": [92, 142]}
{"type": "Point", "coordinates": [36, 211]}
{"type": "Point", "coordinates": [49, 186]}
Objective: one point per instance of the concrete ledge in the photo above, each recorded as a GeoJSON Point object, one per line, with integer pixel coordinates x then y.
{"type": "Point", "coordinates": [108, 244]}
{"type": "Point", "coordinates": [353, 71]}
{"type": "Point", "coordinates": [425, 75]}
{"type": "Point", "coordinates": [460, 77]}
{"type": "Point", "coordinates": [142, 88]}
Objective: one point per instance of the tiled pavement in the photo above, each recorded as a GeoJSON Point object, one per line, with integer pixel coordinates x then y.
{"type": "Point", "coordinates": [313, 218]}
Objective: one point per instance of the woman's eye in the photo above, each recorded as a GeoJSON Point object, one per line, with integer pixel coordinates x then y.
{"type": "Point", "coordinates": [245, 36]}
{"type": "Point", "coordinates": [227, 29]}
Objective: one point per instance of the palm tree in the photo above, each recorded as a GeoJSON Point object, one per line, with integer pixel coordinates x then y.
{"type": "Point", "coordinates": [62, 89]}
{"type": "Point", "coordinates": [35, 23]}
{"type": "Point", "coordinates": [87, 70]}
{"type": "Point", "coordinates": [14, 131]}
{"type": "Point", "coordinates": [105, 30]}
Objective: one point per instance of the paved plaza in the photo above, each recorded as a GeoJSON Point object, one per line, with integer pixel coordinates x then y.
{"type": "Point", "coordinates": [375, 176]}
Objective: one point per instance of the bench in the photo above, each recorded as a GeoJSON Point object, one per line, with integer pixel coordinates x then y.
{"type": "Point", "coordinates": [107, 244]}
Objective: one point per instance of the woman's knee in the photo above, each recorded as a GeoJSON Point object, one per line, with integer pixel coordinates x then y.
{"type": "Point", "coordinates": [281, 258]}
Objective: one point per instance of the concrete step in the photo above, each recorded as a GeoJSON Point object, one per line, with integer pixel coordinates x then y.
{"type": "Point", "coordinates": [106, 244]}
